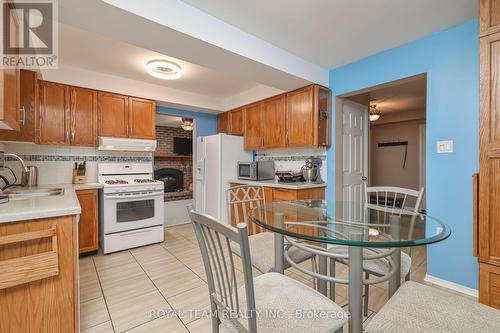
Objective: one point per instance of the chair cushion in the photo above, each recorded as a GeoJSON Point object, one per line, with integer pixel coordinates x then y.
{"type": "Point", "coordinates": [262, 252]}
{"type": "Point", "coordinates": [417, 308]}
{"type": "Point", "coordinates": [279, 294]}
{"type": "Point", "coordinates": [374, 266]}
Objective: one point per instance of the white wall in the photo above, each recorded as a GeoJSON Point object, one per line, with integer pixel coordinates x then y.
{"type": "Point", "coordinates": [176, 212]}
{"type": "Point", "coordinates": [386, 163]}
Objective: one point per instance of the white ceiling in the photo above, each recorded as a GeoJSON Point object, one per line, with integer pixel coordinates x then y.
{"type": "Point", "coordinates": [331, 33]}
{"type": "Point", "coordinates": [87, 50]}
{"type": "Point", "coordinates": [403, 97]}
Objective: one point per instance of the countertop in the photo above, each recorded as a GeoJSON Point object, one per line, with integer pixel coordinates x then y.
{"type": "Point", "coordinates": [43, 207]}
{"type": "Point", "coordinates": [274, 183]}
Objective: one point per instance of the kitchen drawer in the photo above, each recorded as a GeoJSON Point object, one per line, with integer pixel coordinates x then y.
{"type": "Point", "coordinates": [130, 239]}
{"type": "Point", "coordinates": [282, 194]}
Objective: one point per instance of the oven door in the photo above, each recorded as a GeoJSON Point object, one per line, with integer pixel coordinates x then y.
{"type": "Point", "coordinates": [132, 210]}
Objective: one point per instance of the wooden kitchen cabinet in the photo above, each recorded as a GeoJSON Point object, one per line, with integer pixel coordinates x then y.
{"type": "Point", "coordinates": [489, 17]}
{"type": "Point", "coordinates": [113, 114]}
{"type": "Point", "coordinates": [83, 117]}
{"type": "Point", "coordinates": [88, 226]}
{"type": "Point", "coordinates": [253, 138]}
{"type": "Point", "coordinates": [54, 119]}
{"type": "Point", "coordinates": [10, 85]}
{"type": "Point", "coordinates": [142, 118]}
{"type": "Point", "coordinates": [223, 122]}
{"type": "Point", "coordinates": [274, 122]}
{"type": "Point", "coordinates": [231, 122]}
{"type": "Point", "coordinates": [28, 98]}
{"type": "Point", "coordinates": [67, 115]}
{"type": "Point", "coordinates": [45, 297]}
{"type": "Point", "coordinates": [488, 237]}
{"type": "Point", "coordinates": [126, 117]}
{"type": "Point", "coordinates": [235, 122]}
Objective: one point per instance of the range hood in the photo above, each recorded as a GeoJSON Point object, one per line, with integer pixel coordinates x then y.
{"type": "Point", "coordinates": [122, 144]}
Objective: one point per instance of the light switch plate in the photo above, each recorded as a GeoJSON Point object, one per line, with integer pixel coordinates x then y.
{"type": "Point", "coordinates": [445, 147]}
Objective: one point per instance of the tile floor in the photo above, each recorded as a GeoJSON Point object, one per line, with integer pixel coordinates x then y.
{"type": "Point", "coordinates": [118, 291]}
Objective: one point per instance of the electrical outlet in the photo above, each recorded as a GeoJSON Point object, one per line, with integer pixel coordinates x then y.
{"type": "Point", "coordinates": [445, 147]}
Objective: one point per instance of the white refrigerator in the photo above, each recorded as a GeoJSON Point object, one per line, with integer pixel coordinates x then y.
{"type": "Point", "coordinates": [216, 165]}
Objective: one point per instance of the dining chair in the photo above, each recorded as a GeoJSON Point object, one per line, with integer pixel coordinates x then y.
{"type": "Point", "coordinates": [418, 308]}
{"type": "Point", "coordinates": [241, 200]}
{"type": "Point", "coordinates": [269, 303]}
{"type": "Point", "coordinates": [384, 201]}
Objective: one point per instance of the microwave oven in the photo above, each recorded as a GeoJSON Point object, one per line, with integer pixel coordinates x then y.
{"type": "Point", "coordinates": [258, 170]}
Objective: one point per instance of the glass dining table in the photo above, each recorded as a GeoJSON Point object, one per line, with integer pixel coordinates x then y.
{"type": "Point", "coordinates": [361, 227]}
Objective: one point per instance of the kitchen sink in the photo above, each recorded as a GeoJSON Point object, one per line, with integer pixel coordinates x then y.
{"type": "Point", "coordinates": [20, 192]}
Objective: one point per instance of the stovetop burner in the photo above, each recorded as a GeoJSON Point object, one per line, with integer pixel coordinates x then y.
{"type": "Point", "coordinates": [146, 180]}
{"type": "Point", "coordinates": [116, 182]}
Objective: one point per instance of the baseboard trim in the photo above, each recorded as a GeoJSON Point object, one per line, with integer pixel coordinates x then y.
{"type": "Point", "coordinates": [452, 285]}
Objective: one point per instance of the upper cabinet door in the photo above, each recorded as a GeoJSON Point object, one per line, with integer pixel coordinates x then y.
{"type": "Point", "coordinates": [236, 121]}
{"type": "Point", "coordinates": [300, 117]}
{"type": "Point", "coordinates": [54, 118]}
{"type": "Point", "coordinates": [83, 114]}
{"type": "Point", "coordinates": [26, 133]}
{"type": "Point", "coordinates": [253, 126]}
{"type": "Point", "coordinates": [113, 114]}
{"type": "Point", "coordinates": [223, 122]}
{"type": "Point", "coordinates": [489, 16]}
{"type": "Point", "coordinates": [274, 122]}
{"type": "Point", "coordinates": [142, 118]}
{"type": "Point", "coordinates": [323, 114]}
{"type": "Point", "coordinates": [10, 85]}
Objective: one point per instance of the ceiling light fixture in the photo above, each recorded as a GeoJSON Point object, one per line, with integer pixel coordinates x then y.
{"type": "Point", "coordinates": [187, 124]}
{"type": "Point", "coordinates": [163, 69]}
{"type": "Point", "coordinates": [374, 113]}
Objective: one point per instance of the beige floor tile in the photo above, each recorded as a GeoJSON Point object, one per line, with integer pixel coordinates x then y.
{"type": "Point", "coordinates": [101, 328]}
{"type": "Point", "coordinates": [128, 314]}
{"type": "Point", "coordinates": [191, 304]}
{"type": "Point", "coordinates": [89, 285]}
{"type": "Point", "coordinates": [86, 264]}
{"type": "Point", "coordinates": [204, 325]}
{"type": "Point", "coordinates": [128, 289]}
{"type": "Point", "coordinates": [104, 261]}
{"type": "Point", "coordinates": [150, 253]}
{"type": "Point", "coordinates": [161, 325]}
{"type": "Point", "coordinates": [93, 313]}
{"type": "Point", "coordinates": [178, 282]}
{"type": "Point", "coordinates": [113, 275]}
{"type": "Point", "coordinates": [159, 268]}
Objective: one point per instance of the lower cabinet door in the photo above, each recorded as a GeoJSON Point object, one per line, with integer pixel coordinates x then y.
{"type": "Point", "coordinates": [89, 220]}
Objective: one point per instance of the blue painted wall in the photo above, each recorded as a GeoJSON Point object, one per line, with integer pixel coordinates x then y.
{"type": "Point", "coordinates": [451, 61]}
{"type": "Point", "coordinates": [206, 123]}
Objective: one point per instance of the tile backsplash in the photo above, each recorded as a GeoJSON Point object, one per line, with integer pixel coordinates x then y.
{"type": "Point", "coordinates": [293, 158]}
{"type": "Point", "coordinates": [55, 163]}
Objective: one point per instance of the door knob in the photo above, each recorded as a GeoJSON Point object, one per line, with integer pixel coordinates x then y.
{"type": "Point", "coordinates": [364, 178]}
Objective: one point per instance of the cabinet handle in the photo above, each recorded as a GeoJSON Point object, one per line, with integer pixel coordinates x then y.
{"type": "Point", "coordinates": [23, 119]}
{"type": "Point", "coordinates": [67, 135]}
{"type": "Point", "coordinates": [73, 136]}
{"type": "Point", "coordinates": [286, 138]}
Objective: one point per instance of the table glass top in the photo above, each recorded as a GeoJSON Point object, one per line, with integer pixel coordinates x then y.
{"type": "Point", "coordinates": [362, 225]}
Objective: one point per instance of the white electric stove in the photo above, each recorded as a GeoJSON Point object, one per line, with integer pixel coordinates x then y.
{"type": "Point", "coordinates": [132, 204]}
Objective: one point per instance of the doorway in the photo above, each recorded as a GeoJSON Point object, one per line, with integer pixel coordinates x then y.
{"type": "Point", "coordinates": [380, 140]}
{"type": "Point", "coordinates": [173, 164]}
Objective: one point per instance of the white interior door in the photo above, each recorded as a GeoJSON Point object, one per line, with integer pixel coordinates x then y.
{"type": "Point", "coordinates": [354, 158]}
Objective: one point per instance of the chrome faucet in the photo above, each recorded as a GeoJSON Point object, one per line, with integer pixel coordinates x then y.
{"type": "Point", "coordinates": [25, 171]}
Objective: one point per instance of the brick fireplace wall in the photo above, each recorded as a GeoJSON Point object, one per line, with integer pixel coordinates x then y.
{"type": "Point", "coordinates": [165, 145]}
